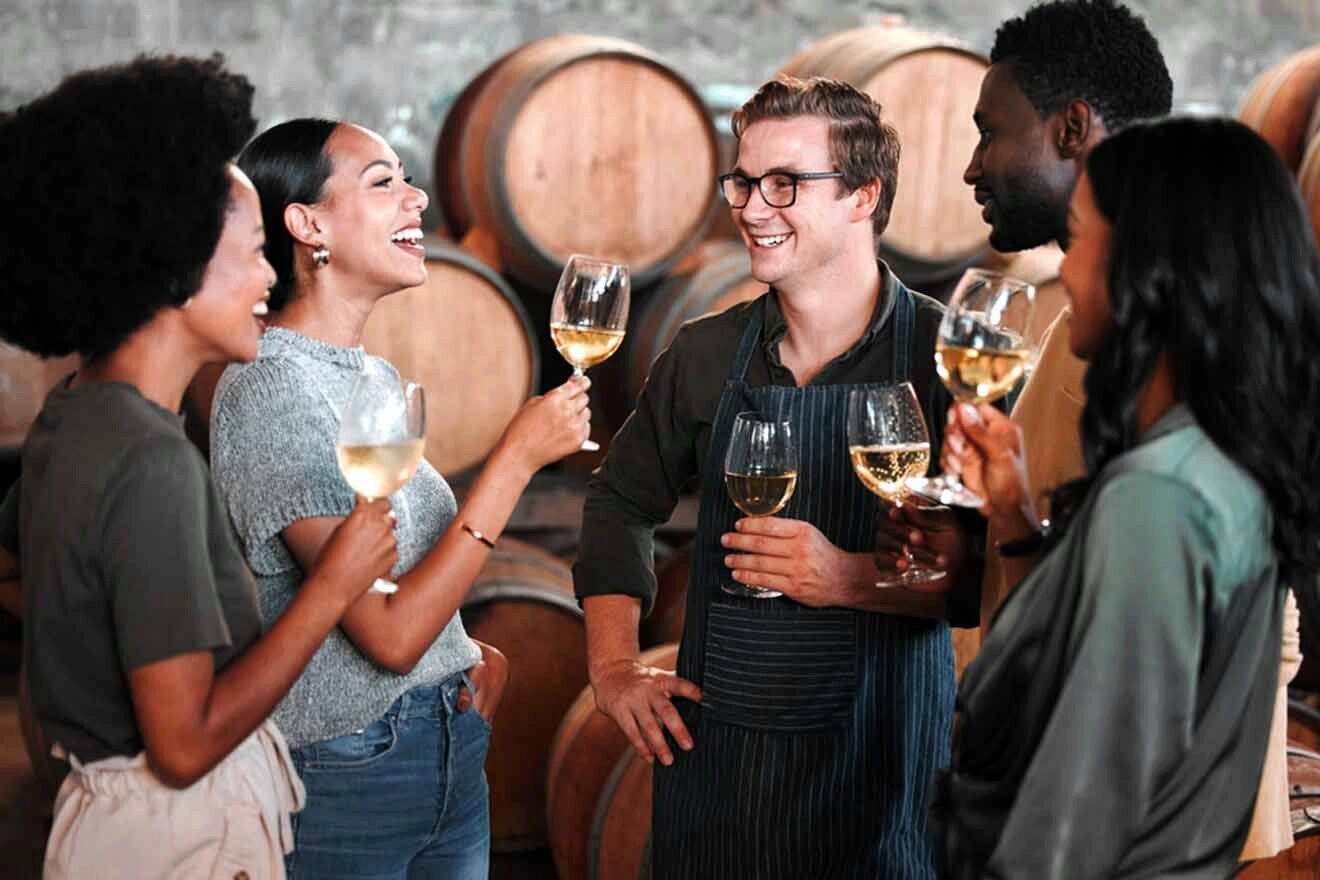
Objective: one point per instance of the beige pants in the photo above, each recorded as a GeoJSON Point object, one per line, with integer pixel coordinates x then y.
{"type": "Point", "coordinates": [114, 818]}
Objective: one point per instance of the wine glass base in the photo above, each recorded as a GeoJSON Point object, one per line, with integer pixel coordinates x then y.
{"type": "Point", "coordinates": [749, 592]}
{"type": "Point", "coordinates": [589, 446]}
{"type": "Point", "coordinates": [910, 577]}
{"type": "Point", "coordinates": [945, 490]}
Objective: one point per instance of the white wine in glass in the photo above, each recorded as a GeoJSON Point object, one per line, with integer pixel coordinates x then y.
{"type": "Point", "coordinates": [889, 445]}
{"type": "Point", "coordinates": [760, 474]}
{"type": "Point", "coordinates": [981, 352]}
{"type": "Point", "coordinates": [382, 434]}
{"type": "Point", "coordinates": [589, 314]}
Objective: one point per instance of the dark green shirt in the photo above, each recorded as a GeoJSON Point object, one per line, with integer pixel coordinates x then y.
{"type": "Point", "coordinates": [1115, 721]}
{"type": "Point", "coordinates": [127, 558]}
{"type": "Point", "coordinates": [663, 444]}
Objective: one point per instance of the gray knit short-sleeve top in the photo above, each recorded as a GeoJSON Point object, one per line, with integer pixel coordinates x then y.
{"type": "Point", "coordinates": [273, 428]}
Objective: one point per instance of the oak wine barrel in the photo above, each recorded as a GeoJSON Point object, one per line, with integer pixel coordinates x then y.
{"type": "Point", "coordinates": [1302, 860]}
{"type": "Point", "coordinates": [464, 336]}
{"type": "Point", "coordinates": [586, 752]}
{"type": "Point", "coordinates": [1280, 104]}
{"type": "Point", "coordinates": [928, 86]}
{"type": "Point", "coordinates": [579, 144]}
{"type": "Point", "coordinates": [522, 603]}
{"type": "Point", "coordinates": [24, 381]}
{"type": "Point", "coordinates": [1308, 180]}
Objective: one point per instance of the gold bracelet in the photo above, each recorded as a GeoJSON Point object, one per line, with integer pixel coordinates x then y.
{"type": "Point", "coordinates": [478, 535]}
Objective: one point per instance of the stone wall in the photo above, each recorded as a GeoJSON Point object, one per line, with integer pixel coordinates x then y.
{"type": "Point", "coordinates": [395, 65]}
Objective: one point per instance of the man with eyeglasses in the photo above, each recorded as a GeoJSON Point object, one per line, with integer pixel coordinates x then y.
{"type": "Point", "coordinates": [807, 727]}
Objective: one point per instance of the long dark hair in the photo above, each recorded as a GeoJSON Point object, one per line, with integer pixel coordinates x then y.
{"type": "Point", "coordinates": [1213, 263]}
{"type": "Point", "coordinates": [287, 164]}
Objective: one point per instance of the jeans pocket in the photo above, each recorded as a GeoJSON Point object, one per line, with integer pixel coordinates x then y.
{"type": "Point", "coordinates": [357, 749]}
{"type": "Point", "coordinates": [793, 671]}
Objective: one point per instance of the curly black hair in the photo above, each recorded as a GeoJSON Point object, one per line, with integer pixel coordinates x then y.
{"type": "Point", "coordinates": [287, 164]}
{"type": "Point", "coordinates": [116, 188]}
{"type": "Point", "coordinates": [1219, 273]}
{"type": "Point", "coordinates": [1096, 50]}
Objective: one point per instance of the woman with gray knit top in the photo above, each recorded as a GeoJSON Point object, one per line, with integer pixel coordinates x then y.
{"type": "Point", "coordinates": [391, 762]}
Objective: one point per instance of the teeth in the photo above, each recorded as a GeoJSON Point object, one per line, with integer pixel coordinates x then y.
{"type": "Point", "coordinates": [412, 235]}
{"type": "Point", "coordinates": [771, 241]}
{"type": "Point", "coordinates": [261, 309]}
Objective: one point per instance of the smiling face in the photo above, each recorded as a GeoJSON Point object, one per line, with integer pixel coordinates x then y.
{"type": "Point", "coordinates": [224, 313]}
{"type": "Point", "coordinates": [801, 245]}
{"type": "Point", "coordinates": [370, 215]}
{"type": "Point", "coordinates": [1016, 171]}
{"type": "Point", "coordinates": [1085, 273]}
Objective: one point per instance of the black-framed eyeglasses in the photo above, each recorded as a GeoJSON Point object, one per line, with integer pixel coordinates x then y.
{"type": "Point", "coordinates": [778, 188]}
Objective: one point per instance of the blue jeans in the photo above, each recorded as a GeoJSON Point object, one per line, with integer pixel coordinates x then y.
{"type": "Point", "coordinates": [405, 797]}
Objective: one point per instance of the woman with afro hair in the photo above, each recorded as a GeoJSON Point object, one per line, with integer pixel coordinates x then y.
{"type": "Point", "coordinates": [1116, 719]}
{"type": "Point", "coordinates": [135, 242]}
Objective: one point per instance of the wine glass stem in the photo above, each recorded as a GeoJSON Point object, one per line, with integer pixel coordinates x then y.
{"type": "Point", "coordinates": [578, 372]}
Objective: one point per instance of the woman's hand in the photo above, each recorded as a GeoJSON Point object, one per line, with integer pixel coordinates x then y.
{"type": "Point", "coordinates": [984, 447]}
{"type": "Point", "coordinates": [489, 678]}
{"type": "Point", "coordinates": [360, 549]}
{"type": "Point", "coordinates": [549, 426]}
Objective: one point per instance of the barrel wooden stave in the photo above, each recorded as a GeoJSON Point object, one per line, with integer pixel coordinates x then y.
{"type": "Point", "coordinates": [928, 86]}
{"type": "Point", "coordinates": [621, 827]}
{"type": "Point", "coordinates": [464, 336]}
{"type": "Point", "coordinates": [522, 603]}
{"type": "Point", "coordinates": [579, 143]}
{"type": "Point", "coordinates": [1280, 104]}
{"type": "Point", "coordinates": [587, 749]}
{"type": "Point", "coordinates": [1308, 180]}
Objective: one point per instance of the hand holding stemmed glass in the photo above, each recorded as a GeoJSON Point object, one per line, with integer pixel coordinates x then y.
{"type": "Point", "coordinates": [889, 444]}
{"type": "Point", "coordinates": [981, 352]}
{"type": "Point", "coordinates": [382, 434]}
{"type": "Point", "coordinates": [760, 474]}
{"type": "Point", "coordinates": [589, 314]}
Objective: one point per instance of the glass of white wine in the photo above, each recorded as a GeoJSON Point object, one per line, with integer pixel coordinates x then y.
{"type": "Point", "coordinates": [760, 473]}
{"type": "Point", "coordinates": [982, 351]}
{"type": "Point", "coordinates": [382, 434]}
{"type": "Point", "coordinates": [889, 444]}
{"type": "Point", "coordinates": [589, 314]}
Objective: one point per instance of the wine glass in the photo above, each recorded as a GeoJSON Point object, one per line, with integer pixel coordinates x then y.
{"type": "Point", "coordinates": [981, 352]}
{"type": "Point", "coordinates": [382, 433]}
{"type": "Point", "coordinates": [589, 314]}
{"type": "Point", "coordinates": [888, 444]}
{"type": "Point", "coordinates": [760, 473]}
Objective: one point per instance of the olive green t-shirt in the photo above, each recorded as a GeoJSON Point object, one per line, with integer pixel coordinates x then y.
{"type": "Point", "coordinates": [126, 558]}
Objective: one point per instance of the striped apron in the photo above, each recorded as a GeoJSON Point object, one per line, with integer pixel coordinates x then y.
{"type": "Point", "coordinates": [820, 729]}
